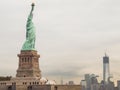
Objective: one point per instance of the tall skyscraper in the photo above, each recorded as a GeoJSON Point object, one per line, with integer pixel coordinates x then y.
{"type": "Point", "coordinates": [106, 71]}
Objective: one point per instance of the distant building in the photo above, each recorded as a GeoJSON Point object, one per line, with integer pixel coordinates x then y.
{"type": "Point", "coordinates": [83, 84]}
{"type": "Point", "coordinates": [106, 70]}
{"type": "Point", "coordinates": [94, 86]}
{"type": "Point", "coordinates": [71, 83]}
{"type": "Point", "coordinates": [90, 82]}
{"type": "Point", "coordinates": [106, 84]}
{"type": "Point", "coordinates": [8, 78]}
{"type": "Point", "coordinates": [118, 84]}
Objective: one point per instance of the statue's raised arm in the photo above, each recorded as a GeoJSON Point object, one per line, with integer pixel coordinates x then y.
{"type": "Point", "coordinates": [31, 12]}
{"type": "Point", "coordinates": [32, 7]}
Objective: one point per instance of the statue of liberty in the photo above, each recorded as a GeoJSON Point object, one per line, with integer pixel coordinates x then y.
{"type": "Point", "coordinates": [29, 44]}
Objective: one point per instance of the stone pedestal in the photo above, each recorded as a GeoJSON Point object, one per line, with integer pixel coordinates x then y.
{"type": "Point", "coordinates": [28, 64]}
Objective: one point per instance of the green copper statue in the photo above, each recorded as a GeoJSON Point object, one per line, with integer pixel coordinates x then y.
{"type": "Point", "coordinates": [29, 44]}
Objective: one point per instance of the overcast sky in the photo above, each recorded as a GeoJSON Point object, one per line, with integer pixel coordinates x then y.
{"type": "Point", "coordinates": [71, 36]}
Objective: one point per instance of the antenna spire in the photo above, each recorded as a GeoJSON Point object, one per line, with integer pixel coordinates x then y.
{"type": "Point", "coordinates": [105, 54]}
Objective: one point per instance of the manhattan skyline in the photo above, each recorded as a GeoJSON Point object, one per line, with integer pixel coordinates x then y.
{"type": "Point", "coordinates": [72, 36]}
